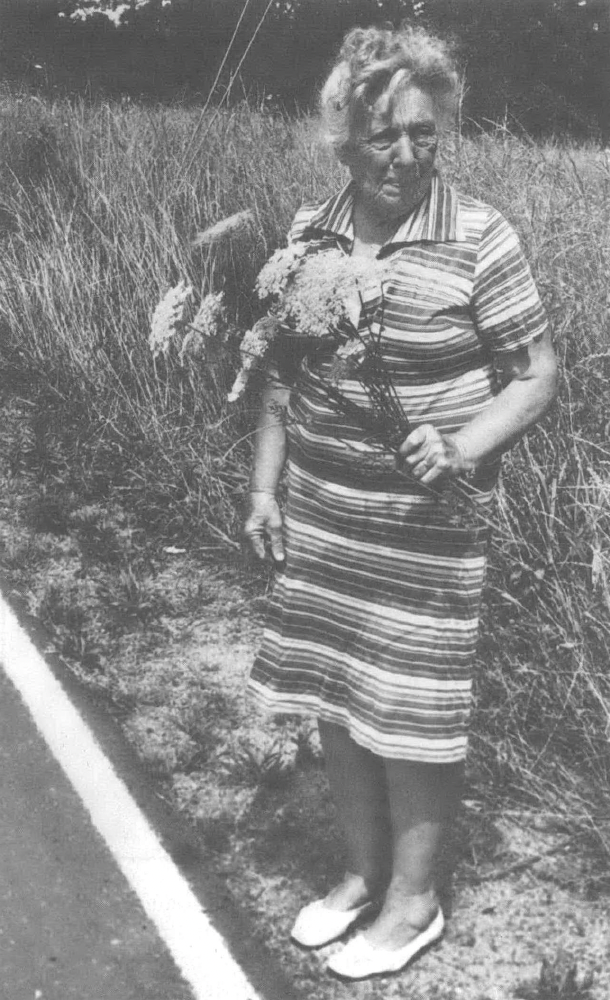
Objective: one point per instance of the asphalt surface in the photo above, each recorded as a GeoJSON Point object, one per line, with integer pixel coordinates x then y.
{"type": "Point", "coordinates": [70, 926]}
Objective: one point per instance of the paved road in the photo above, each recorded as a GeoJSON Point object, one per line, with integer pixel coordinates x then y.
{"type": "Point", "coordinates": [70, 926]}
{"type": "Point", "coordinates": [105, 893]}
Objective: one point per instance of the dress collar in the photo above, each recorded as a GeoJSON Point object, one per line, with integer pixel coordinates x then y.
{"type": "Point", "coordinates": [436, 219]}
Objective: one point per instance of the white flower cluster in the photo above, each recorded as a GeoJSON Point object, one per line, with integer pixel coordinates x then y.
{"type": "Point", "coordinates": [278, 271]}
{"type": "Point", "coordinates": [347, 360]}
{"type": "Point", "coordinates": [351, 349]}
{"type": "Point", "coordinates": [254, 346]}
{"type": "Point", "coordinates": [209, 320]}
{"type": "Point", "coordinates": [168, 315]}
{"type": "Point", "coordinates": [210, 314]}
{"type": "Point", "coordinates": [315, 294]}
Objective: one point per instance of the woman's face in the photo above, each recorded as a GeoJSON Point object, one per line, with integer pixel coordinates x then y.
{"type": "Point", "coordinates": [391, 157]}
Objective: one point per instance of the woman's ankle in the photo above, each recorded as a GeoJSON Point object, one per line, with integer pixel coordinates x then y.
{"type": "Point", "coordinates": [354, 890]}
{"type": "Point", "coordinates": [421, 904]}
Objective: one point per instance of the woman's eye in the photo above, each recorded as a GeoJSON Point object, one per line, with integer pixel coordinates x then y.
{"type": "Point", "coordinates": [382, 142]}
{"type": "Point", "coordinates": [424, 137]}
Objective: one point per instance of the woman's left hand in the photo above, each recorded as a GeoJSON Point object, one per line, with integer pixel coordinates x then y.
{"type": "Point", "coordinates": [428, 454]}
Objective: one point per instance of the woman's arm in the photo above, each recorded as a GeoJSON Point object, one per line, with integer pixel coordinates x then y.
{"type": "Point", "coordinates": [264, 519]}
{"type": "Point", "coordinates": [529, 377]}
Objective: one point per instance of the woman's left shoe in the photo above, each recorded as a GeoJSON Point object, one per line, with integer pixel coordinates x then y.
{"type": "Point", "coordinates": [359, 959]}
{"type": "Point", "coordinates": [317, 925]}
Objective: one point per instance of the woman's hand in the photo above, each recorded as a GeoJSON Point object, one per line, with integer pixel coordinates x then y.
{"type": "Point", "coordinates": [428, 454]}
{"type": "Point", "coordinates": [264, 524]}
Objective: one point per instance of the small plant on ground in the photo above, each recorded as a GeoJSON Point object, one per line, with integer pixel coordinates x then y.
{"type": "Point", "coordinates": [559, 980]}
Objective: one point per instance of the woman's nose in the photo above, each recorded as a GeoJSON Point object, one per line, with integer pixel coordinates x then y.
{"type": "Point", "coordinates": [403, 151]}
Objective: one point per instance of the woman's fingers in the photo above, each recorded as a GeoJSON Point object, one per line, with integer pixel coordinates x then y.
{"type": "Point", "coordinates": [277, 544]}
{"type": "Point", "coordinates": [425, 453]}
{"type": "Point", "coordinates": [254, 535]}
{"type": "Point", "coordinates": [414, 441]}
{"type": "Point", "coordinates": [265, 525]}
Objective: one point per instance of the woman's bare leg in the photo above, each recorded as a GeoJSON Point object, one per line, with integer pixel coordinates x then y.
{"type": "Point", "coordinates": [423, 802]}
{"type": "Point", "coordinates": [357, 781]}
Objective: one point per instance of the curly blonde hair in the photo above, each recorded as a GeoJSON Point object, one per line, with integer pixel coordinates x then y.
{"type": "Point", "coordinates": [375, 62]}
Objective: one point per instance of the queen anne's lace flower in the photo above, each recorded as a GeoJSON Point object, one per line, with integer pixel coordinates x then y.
{"type": "Point", "coordinates": [279, 270]}
{"type": "Point", "coordinates": [347, 359]}
{"type": "Point", "coordinates": [254, 346]}
{"type": "Point", "coordinates": [210, 314]}
{"type": "Point", "coordinates": [316, 293]}
{"type": "Point", "coordinates": [351, 349]}
{"type": "Point", "coordinates": [209, 320]}
{"type": "Point", "coordinates": [167, 316]}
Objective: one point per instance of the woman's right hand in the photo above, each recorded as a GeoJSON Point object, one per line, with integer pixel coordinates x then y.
{"type": "Point", "coordinates": [264, 524]}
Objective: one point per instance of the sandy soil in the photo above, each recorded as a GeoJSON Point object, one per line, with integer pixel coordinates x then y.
{"type": "Point", "coordinates": [261, 802]}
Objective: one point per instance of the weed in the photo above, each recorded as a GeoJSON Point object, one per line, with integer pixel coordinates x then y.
{"type": "Point", "coordinates": [559, 980]}
{"type": "Point", "coordinates": [264, 761]}
{"type": "Point", "coordinates": [66, 611]}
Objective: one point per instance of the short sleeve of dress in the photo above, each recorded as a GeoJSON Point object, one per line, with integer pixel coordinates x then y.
{"type": "Point", "coordinates": [301, 222]}
{"type": "Point", "coordinates": [507, 310]}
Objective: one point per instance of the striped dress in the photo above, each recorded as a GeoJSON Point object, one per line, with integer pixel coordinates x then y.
{"type": "Point", "coordinates": [373, 623]}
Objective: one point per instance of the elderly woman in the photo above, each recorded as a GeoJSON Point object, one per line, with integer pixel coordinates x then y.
{"type": "Point", "coordinates": [374, 620]}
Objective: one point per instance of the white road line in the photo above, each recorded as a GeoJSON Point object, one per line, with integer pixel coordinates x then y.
{"type": "Point", "coordinates": [197, 948]}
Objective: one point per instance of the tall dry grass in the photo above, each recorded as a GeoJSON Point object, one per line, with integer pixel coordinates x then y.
{"type": "Point", "coordinates": [544, 706]}
{"type": "Point", "coordinates": [97, 218]}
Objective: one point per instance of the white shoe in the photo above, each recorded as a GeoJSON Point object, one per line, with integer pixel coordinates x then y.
{"type": "Point", "coordinates": [359, 959]}
{"type": "Point", "coordinates": [317, 924]}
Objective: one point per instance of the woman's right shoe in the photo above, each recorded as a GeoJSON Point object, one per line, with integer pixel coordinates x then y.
{"type": "Point", "coordinates": [317, 925]}
{"type": "Point", "coordinates": [359, 959]}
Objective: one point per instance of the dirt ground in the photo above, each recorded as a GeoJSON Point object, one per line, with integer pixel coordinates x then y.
{"type": "Point", "coordinates": [263, 809]}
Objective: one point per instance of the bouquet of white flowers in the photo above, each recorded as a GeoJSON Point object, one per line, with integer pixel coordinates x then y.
{"type": "Point", "coordinates": [316, 305]}
{"type": "Point", "coordinates": [316, 298]}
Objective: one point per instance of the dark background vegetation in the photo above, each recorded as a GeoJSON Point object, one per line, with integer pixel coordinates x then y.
{"type": "Point", "coordinates": [539, 65]}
